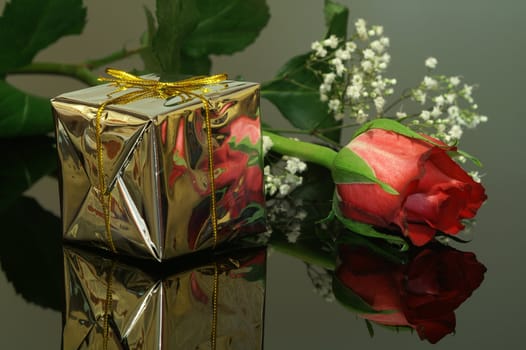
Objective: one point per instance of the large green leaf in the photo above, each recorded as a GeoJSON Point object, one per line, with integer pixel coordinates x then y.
{"type": "Point", "coordinates": [28, 26]}
{"type": "Point", "coordinates": [336, 18]}
{"type": "Point", "coordinates": [176, 19]}
{"type": "Point", "coordinates": [23, 114]}
{"type": "Point", "coordinates": [31, 253]}
{"type": "Point", "coordinates": [226, 26]}
{"type": "Point", "coordinates": [27, 160]}
{"type": "Point", "coordinates": [348, 167]}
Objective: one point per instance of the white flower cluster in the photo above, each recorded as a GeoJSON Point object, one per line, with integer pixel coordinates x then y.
{"type": "Point", "coordinates": [322, 281]}
{"type": "Point", "coordinates": [283, 176]}
{"type": "Point", "coordinates": [352, 71]}
{"type": "Point", "coordinates": [449, 105]}
{"type": "Point", "coordinates": [287, 216]}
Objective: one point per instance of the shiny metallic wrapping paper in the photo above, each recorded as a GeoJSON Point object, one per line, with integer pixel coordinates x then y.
{"type": "Point", "coordinates": [156, 167]}
{"type": "Point", "coordinates": [167, 310]}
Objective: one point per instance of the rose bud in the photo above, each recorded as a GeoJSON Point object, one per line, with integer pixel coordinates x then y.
{"type": "Point", "coordinates": [434, 193]}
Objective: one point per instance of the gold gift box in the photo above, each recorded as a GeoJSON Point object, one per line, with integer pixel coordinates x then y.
{"type": "Point", "coordinates": [114, 305]}
{"type": "Point", "coordinates": [155, 163]}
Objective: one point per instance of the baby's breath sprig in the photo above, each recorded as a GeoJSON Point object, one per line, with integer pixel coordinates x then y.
{"type": "Point", "coordinates": [354, 84]}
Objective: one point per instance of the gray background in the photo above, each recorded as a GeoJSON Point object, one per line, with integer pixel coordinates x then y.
{"type": "Point", "coordinates": [481, 40]}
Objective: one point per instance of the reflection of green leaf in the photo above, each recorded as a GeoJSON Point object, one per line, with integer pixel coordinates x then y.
{"type": "Point", "coordinates": [365, 229]}
{"type": "Point", "coordinates": [226, 26]}
{"type": "Point", "coordinates": [23, 114]}
{"type": "Point", "coordinates": [27, 161]}
{"type": "Point", "coordinates": [348, 168]}
{"type": "Point", "coordinates": [351, 300]}
{"type": "Point", "coordinates": [28, 26]}
{"type": "Point", "coordinates": [31, 252]}
{"type": "Point", "coordinates": [247, 147]}
{"type": "Point", "coordinates": [336, 17]}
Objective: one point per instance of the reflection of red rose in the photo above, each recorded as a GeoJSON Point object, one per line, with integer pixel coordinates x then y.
{"type": "Point", "coordinates": [435, 193]}
{"type": "Point", "coordinates": [238, 181]}
{"type": "Point", "coordinates": [422, 294]}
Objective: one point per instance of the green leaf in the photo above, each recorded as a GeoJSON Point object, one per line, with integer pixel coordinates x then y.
{"type": "Point", "coordinates": [176, 19]}
{"type": "Point", "coordinates": [23, 114]}
{"type": "Point", "coordinates": [473, 159]}
{"type": "Point", "coordinates": [31, 253]}
{"type": "Point", "coordinates": [381, 247]}
{"type": "Point", "coordinates": [151, 63]}
{"type": "Point", "coordinates": [226, 26]}
{"type": "Point", "coordinates": [352, 301]}
{"type": "Point", "coordinates": [348, 167]}
{"type": "Point", "coordinates": [27, 160]}
{"type": "Point", "coordinates": [393, 125]}
{"type": "Point", "coordinates": [195, 65]}
{"type": "Point", "coordinates": [28, 26]}
{"type": "Point", "coordinates": [336, 19]}
{"type": "Point", "coordinates": [295, 92]}
{"type": "Point", "coordinates": [366, 229]}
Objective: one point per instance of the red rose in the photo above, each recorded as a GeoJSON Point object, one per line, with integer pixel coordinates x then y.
{"type": "Point", "coordinates": [422, 294]}
{"type": "Point", "coordinates": [435, 193]}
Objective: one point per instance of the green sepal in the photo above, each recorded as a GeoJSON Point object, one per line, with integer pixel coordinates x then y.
{"type": "Point", "coordinates": [352, 301]}
{"type": "Point", "coordinates": [349, 168]}
{"type": "Point", "coordinates": [393, 125]}
{"type": "Point", "coordinates": [473, 159]}
{"type": "Point", "coordinates": [366, 229]}
{"type": "Point", "coordinates": [370, 328]}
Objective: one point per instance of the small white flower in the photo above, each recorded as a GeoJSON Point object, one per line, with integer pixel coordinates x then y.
{"type": "Point", "coordinates": [350, 46]}
{"type": "Point", "coordinates": [379, 103]}
{"type": "Point", "coordinates": [331, 42]}
{"type": "Point", "coordinates": [401, 115]}
{"type": "Point", "coordinates": [431, 62]}
{"type": "Point", "coordinates": [343, 55]}
{"type": "Point", "coordinates": [384, 41]}
{"type": "Point", "coordinates": [453, 111]}
{"type": "Point", "coordinates": [367, 66]}
{"type": "Point", "coordinates": [454, 81]}
{"type": "Point", "coordinates": [440, 100]}
{"type": "Point", "coordinates": [429, 83]}
{"type": "Point", "coordinates": [325, 88]}
{"type": "Point", "coordinates": [361, 117]}
{"type": "Point", "coordinates": [386, 58]}
{"type": "Point", "coordinates": [475, 176]}
{"type": "Point", "coordinates": [379, 30]}
{"type": "Point", "coordinates": [267, 145]}
{"type": "Point", "coordinates": [334, 105]}
{"type": "Point", "coordinates": [353, 91]}
{"type": "Point", "coordinates": [329, 78]}
{"type": "Point", "coordinates": [377, 46]}
{"type": "Point", "coordinates": [435, 112]}
{"type": "Point", "coordinates": [419, 96]}
{"type": "Point", "coordinates": [357, 79]}
{"type": "Point", "coordinates": [425, 115]}
{"type": "Point", "coordinates": [338, 65]}
{"type": "Point", "coordinates": [361, 28]}
{"type": "Point", "coordinates": [284, 189]}
{"type": "Point", "coordinates": [318, 49]}
{"type": "Point", "coordinates": [450, 98]}
{"type": "Point", "coordinates": [368, 54]}
{"type": "Point", "coordinates": [324, 98]}
{"type": "Point", "coordinates": [455, 132]}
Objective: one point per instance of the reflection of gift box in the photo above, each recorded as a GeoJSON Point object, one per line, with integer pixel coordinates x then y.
{"type": "Point", "coordinates": [111, 305]}
{"type": "Point", "coordinates": [155, 161]}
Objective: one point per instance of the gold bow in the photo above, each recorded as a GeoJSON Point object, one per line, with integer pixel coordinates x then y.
{"type": "Point", "coordinates": [151, 88]}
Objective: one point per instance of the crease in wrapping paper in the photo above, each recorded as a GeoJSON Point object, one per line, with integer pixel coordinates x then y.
{"type": "Point", "coordinates": [152, 309]}
{"type": "Point", "coordinates": [155, 161]}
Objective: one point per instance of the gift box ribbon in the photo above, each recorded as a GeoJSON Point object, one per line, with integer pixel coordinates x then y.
{"type": "Point", "coordinates": [151, 88]}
